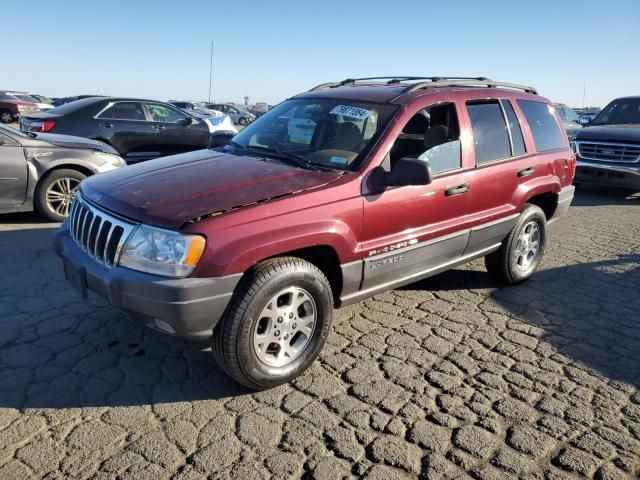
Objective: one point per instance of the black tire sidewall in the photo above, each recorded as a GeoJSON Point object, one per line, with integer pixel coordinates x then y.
{"type": "Point", "coordinates": [10, 115]}
{"type": "Point", "coordinates": [531, 214]}
{"type": "Point", "coordinates": [257, 371]}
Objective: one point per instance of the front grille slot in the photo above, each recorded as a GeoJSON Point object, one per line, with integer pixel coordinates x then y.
{"type": "Point", "coordinates": [97, 232]}
{"type": "Point", "coordinates": [609, 152]}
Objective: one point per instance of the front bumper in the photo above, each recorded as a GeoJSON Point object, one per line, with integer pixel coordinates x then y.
{"type": "Point", "coordinates": [612, 174]}
{"type": "Point", "coordinates": [191, 307]}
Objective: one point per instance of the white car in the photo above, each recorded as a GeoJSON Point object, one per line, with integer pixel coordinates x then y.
{"type": "Point", "coordinates": [220, 122]}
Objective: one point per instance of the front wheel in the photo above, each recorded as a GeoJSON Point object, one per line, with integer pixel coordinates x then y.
{"type": "Point", "coordinates": [276, 324]}
{"type": "Point", "coordinates": [56, 193]}
{"type": "Point", "coordinates": [243, 121]}
{"type": "Point", "coordinates": [521, 252]}
{"type": "Point", "coordinates": [6, 116]}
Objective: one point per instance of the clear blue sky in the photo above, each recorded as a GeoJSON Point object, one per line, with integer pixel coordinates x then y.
{"type": "Point", "coordinates": [270, 50]}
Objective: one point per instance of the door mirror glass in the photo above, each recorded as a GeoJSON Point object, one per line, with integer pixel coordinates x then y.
{"type": "Point", "coordinates": [406, 171]}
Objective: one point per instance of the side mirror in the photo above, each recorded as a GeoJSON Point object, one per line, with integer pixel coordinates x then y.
{"type": "Point", "coordinates": [406, 171]}
{"type": "Point", "coordinates": [219, 138]}
{"type": "Point", "coordinates": [185, 121]}
{"type": "Point", "coordinates": [584, 121]}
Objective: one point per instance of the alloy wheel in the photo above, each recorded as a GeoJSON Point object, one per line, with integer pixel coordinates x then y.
{"type": "Point", "coordinates": [285, 327]}
{"type": "Point", "coordinates": [527, 246]}
{"type": "Point", "coordinates": [60, 195]}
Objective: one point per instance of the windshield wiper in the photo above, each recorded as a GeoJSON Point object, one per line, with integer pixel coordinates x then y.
{"type": "Point", "coordinates": [297, 160]}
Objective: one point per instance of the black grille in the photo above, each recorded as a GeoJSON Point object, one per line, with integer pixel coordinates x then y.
{"type": "Point", "coordinates": [98, 233]}
{"type": "Point", "coordinates": [609, 152]}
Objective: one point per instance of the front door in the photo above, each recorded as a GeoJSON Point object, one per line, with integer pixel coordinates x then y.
{"type": "Point", "coordinates": [129, 131]}
{"type": "Point", "coordinates": [13, 173]}
{"type": "Point", "coordinates": [410, 230]}
{"type": "Point", "coordinates": [176, 132]}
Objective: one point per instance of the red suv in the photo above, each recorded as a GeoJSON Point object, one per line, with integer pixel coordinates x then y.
{"type": "Point", "coordinates": [336, 194]}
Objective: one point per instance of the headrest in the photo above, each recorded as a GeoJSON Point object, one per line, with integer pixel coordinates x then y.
{"type": "Point", "coordinates": [436, 135]}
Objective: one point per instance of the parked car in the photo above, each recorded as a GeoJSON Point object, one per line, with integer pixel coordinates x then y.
{"type": "Point", "coordinates": [193, 109]}
{"type": "Point", "coordinates": [42, 171]}
{"type": "Point", "coordinates": [608, 148]}
{"type": "Point", "coordinates": [253, 244]}
{"type": "Point", "coordinates": [569, 118]}
{"type": "Point", "coordinates": [56, 102]}
{"type": "Point", "coordinates": [44, 103]}
{"type": "Point", "coordinates": [25, 97]}
{"type": "Point", "coordinates": [587, 117]}
{"type": "Point", "coordinates": [137, 129]}
{"type": "Point", "coordinates": [11, 108]}
{"type": "Point", "coordinates": [260, 108]}
{"type": "Point", "coordinates": [239, 117]}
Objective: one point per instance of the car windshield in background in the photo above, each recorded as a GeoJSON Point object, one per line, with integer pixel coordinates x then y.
{"type": "Point", "coordinates": [322, 132]}
{"type": "Point", "coordinates": [619, 112]}
{"type": "Point", "coordinates": [26, 98]}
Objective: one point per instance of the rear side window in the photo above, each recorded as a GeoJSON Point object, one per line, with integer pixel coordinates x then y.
{"type": "Point", "coordinates": [517, 141]}
{"type": "Point", "coordinates": [490, 134]}
{"type": "Point", "coordinates": [124, 111]}
{"type": "Point", "coordinates": [543, 124]}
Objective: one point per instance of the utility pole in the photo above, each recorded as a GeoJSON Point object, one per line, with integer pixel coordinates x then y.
{"type": "Point", "coordinates": [584, 93]}
{"type": "Point", "coordinates": [210, 71]}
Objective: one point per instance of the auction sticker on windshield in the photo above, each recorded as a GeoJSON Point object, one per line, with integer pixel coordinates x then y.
{"type": "Point", "coordinates": [351, 112]}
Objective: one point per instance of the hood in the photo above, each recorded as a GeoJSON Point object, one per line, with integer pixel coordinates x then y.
{"type": "Point", "coordinates": [610, 133]}
{"type": "Point", "coordinates": [168, 192]}
{"type": "Point", "coordinates": [46, 140]}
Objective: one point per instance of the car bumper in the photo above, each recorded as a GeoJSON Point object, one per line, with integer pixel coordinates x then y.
{"type": "Point", "coordinates": [565, 197]}
{"type": "Point", "coordinates": [612, 174]}
{"type": "Point", "coordinates": [187, 307]}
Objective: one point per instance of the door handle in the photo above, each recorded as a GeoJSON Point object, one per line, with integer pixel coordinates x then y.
{"type": "Point", "coordinates": [525, 172]}
{"type": "Point", "coordinates": [457, 190]}
{"type": "Point", "coordinates": [106, 125]}
{"type": "Point", "coordinates": [160, 127]}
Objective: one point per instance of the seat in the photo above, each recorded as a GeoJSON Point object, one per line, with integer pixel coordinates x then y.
{"type": "Point", "coordinates": [434, 136]}
{"type": "Point", "coordinates": [348, 138]}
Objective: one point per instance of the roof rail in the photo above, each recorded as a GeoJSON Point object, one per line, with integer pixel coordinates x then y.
{"type": "Point", "coordinates": [467, 82]}
{"type": "Point", "coordinates": [432, 82]}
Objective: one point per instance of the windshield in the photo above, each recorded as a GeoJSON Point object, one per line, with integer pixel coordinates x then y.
{"type": "Point", "coordinates": [43, 99]}
{"type": "Point", "coordinates": [25, 98]}
{"type": "Point", "coordinates": [621, 111]}
{"type": "Point", "coordinates": [330, 133]}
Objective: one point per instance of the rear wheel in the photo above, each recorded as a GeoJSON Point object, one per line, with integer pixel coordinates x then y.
{"type": "Point", "coordinates": [521, 252]}
{"type": "Point", "coordinates": [276, 324]}
{"type": "Point", "coordinates": [6, 116]}
{"type": "Point", "coordinates": [56, 192]}
{"type": "Point", "coordinates": [242, 121]}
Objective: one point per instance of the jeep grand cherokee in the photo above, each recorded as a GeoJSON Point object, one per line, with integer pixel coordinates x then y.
{"type": "Point", "coordinates": [336, 194]}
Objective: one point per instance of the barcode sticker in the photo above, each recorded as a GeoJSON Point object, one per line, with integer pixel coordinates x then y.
{"type": "Point", "coordinates": [351, 112]}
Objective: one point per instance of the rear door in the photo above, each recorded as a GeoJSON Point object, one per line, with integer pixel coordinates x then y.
{"type": "Point", "coordinates": [176, 132]}
{"type": "Point", "coordinates": [13, 173]}
{"type": "Point", "coordinates": [125, 125]}
{"type": "Point", "coordinates": [503, 164]}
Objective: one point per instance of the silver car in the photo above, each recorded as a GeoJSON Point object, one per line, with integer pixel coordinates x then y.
{"type": "Point", "coordinates": [239, 117]}
{"type": "Point", "coordinates": [570, 119]}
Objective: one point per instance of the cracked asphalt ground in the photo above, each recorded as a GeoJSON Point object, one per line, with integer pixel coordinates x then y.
{"type": "Point", "coordinates": [449, 377]}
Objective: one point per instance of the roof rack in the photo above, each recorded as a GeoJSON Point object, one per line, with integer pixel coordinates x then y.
{"type": "Point", "coordinates": [432, 82]}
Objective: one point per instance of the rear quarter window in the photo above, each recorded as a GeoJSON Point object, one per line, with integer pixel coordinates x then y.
{"type": "Point", "coordinates": [544, 127]}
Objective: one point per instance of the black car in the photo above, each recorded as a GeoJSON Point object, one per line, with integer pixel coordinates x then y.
{"type": "Point", "coordinates": [43, 170]}
{"type": "Point", "coordinates": [608, 148]}
{"type": "Point", "coordinates": [137, 129]}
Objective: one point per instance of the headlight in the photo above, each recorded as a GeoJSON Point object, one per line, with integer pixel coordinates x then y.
{"type": "Point", "coordinates": [113, 160]}
{"type": "Point", "coordinates": [162, 252]}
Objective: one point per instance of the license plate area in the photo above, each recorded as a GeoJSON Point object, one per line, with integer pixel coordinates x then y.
{"type": "Point", "coordinates": [77, 277]}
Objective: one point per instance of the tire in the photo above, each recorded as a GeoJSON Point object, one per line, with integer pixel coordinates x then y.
{"type": "Point", "coordinates": [55, 193]}
{"type": "Point", "coordinates": [510, 264]}
{"type": "Point", "coordinates": [244, 342]}
{"type": "Point", "coordinates": [242, 121]}
{"type": "Point", "coordinates": [6, 116]}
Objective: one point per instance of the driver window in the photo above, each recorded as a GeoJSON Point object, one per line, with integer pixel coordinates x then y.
{"type": "Point", "coordinates": [162, 113]}
{"type": "Point", "coordinates": [432, 134]}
